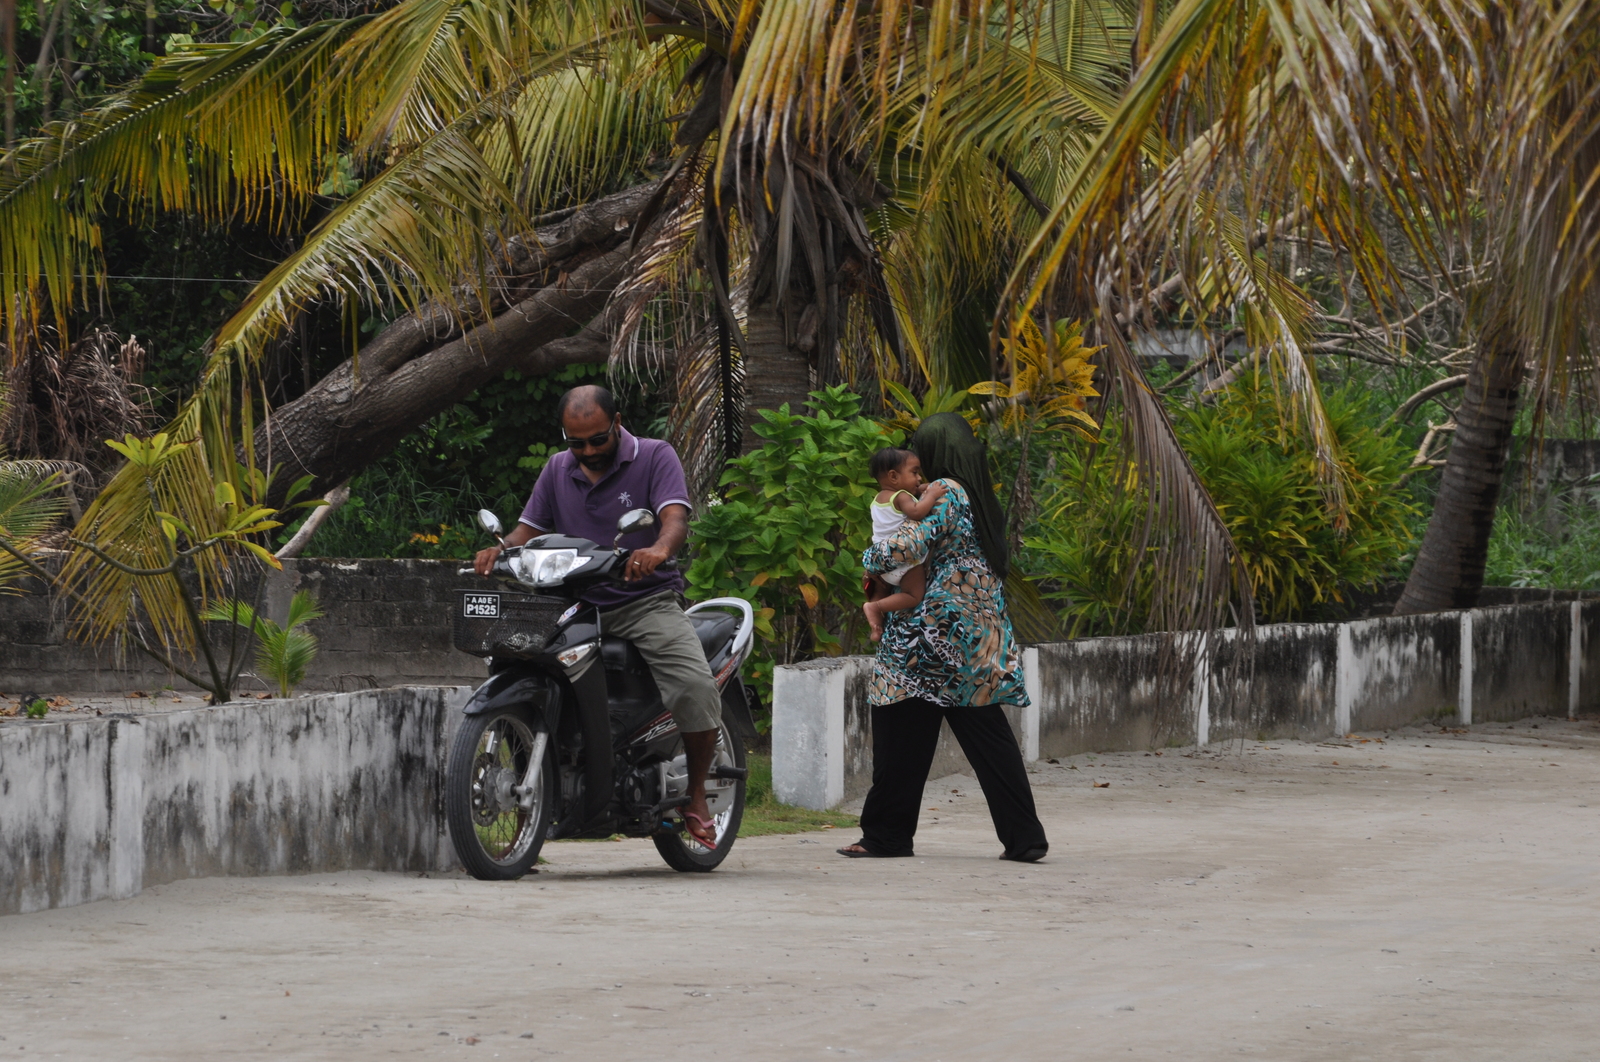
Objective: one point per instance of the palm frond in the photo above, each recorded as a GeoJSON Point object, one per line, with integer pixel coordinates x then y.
{"type": "Point", "coordinates": [302, 609]}
{"type": "Point", "coordinates": [216, 131]}
{"type": "Point", "coordinates": [289, 658]}
{"type": "Point", "coordinates": [413, 233]}
{"type": "Point", "coordinates": [31, 504]}
{"type": "Point", "coordinates": [230, 610]}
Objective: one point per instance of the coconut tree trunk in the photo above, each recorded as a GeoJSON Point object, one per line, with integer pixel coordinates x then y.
{"type": "Point", "coordinates": [776, 367]}
{"type": "Point", "coordinates": [1449, 569]}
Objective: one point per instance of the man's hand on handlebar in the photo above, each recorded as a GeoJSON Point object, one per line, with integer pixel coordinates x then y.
{"type": "Point", "coordinates": [641, 562]}
{"type": "Point", "coordinates": [483, 562]}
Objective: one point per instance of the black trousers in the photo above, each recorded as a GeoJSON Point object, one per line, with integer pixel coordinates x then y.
{"type": "Point", "coordinates": [905, 736]}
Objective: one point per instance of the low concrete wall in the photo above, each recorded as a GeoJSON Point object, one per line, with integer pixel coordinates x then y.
{"type": "Point", "coordinates": [826, 749]}
{"type": "Point", "coordinates": [1306, 681]}
{"type": "Point", "coordinates": [95, 809]}
{"type": "Point", "coordinates": [1558, 467]}
{"type": "Point", "coordinates": [387, 623]}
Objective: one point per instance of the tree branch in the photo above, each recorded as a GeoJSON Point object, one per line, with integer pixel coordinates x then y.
{"type": "Point", "coordinates": [336, 497]}
{"type": "Point", "coordinates": [1020, 183]}
{"type": "Point", "coordinates": [1433, 390]}
{"type": "Point", "coordinates": [424, 363]}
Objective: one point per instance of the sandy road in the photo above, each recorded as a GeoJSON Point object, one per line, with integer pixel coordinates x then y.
{"type": "Point", "coordinates": [1432, 896]}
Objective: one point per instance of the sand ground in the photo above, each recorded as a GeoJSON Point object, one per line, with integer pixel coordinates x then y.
{"type": "Point", "coordinates": [1420, 895]}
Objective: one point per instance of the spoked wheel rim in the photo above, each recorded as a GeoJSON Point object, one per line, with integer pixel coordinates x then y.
{"type": "Point", "coordinates": [505, 828]}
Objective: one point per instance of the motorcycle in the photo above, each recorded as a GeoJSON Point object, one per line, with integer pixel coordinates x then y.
{"type": "Point", "coordinates": [569, 737]}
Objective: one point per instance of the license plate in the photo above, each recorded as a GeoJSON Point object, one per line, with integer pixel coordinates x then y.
{"type": "Point", "coordinates": [480, 606]}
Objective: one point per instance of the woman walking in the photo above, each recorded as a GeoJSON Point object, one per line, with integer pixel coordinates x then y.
{"type": "Point", "coordinates": [951, 657]}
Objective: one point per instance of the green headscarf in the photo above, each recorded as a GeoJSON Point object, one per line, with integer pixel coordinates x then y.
{"type": "Point", "coordinates": [948, 450]}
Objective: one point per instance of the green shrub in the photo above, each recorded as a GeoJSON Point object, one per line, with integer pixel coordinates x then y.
{"type": "Point", "coordinates": [789, 532]}
{"type": "Point", "coordinates": [1264, 480]}
{"type": "Point", "coordinates": [1081, 550]}
{"type": "Point", "coordinates": [1550, 548]}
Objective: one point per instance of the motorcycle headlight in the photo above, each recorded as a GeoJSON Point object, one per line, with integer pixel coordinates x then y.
{"type": "Point", "coordinates": [546, 567]}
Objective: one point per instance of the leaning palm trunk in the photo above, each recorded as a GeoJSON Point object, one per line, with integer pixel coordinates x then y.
{"type": "Point", "coordinates": [424, 363]}
{"type": "Point", "coordinates": [1450, 563]}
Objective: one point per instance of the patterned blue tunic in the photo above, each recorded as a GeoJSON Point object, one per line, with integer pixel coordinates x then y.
{"type": "Point", "coordinates": [956, 648]}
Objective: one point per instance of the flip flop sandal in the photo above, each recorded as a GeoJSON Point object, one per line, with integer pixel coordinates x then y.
{"type": "Point", "coordinates": [704, 824]}
{"type": "Point", "coordinates": [865, 854]}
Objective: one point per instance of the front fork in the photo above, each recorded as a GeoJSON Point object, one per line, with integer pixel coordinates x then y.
{"type": "Point", "coordinates": [529, 789]}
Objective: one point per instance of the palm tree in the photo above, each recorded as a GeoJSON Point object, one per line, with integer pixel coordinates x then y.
{"type": "Point", "coordinates": [1471, 129]}
{"type": "Point", "coordinates": [757, 203]}
{"type": "Point", "coordinates": [768, 194]}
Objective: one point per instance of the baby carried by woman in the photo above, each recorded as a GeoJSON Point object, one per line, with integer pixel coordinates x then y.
{"type": "Point", "coordinates": [901, 496]}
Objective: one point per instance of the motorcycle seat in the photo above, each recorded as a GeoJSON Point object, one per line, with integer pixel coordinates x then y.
{"type": "Point", "coordinates": [714, 629]}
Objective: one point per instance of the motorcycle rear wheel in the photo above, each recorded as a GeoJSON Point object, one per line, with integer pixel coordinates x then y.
{"type": "Point", "coordinates": [495, 837]}
{"type": "Point", "coordinates": [681, 851]}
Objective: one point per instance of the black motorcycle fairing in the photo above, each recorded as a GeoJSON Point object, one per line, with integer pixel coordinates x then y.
{"type": "Point", "coordinates": [738, 704]}
{"type": "Point", "coordinates": [559, 541]}
{"type": "Point", "coordinates": [589, 695]}
{"type": "Point", "coordinates": [518, 686]}
{"type": "Point", "coordinates": [578, 630]}
{"type": "Point", "coordinates": [630, 688]}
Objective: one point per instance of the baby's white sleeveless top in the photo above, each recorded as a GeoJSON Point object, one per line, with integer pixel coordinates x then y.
{"type": "Point", "coordinates": [886, 519]}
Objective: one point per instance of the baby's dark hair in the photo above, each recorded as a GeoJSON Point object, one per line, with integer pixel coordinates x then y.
{"type": "Point", "coordinates": [887, 460]}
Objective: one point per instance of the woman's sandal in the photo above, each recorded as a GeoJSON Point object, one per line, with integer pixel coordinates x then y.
{"type": "Point", "coordinates": [691, 820]}
{"type": "Point", "coordinates": [860, 851]}
{"type": "Point", "coordinates": [1030, 855]}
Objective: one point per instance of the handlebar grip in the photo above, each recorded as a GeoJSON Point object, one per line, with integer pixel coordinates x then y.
{"type": "Point", "coordinates": [670, 563]}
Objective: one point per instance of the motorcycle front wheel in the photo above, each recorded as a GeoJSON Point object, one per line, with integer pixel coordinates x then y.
{"type": "Point", "coordinates": [680, 850]}
{"type": "Point", "coordinates": [498, 832]}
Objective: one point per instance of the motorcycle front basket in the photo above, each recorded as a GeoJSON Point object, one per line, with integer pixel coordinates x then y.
{"type": "Point", "coordinates": [505, 624]}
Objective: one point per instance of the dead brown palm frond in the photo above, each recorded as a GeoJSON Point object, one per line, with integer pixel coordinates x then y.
{"type": "Point", "coordinates": [666, 265]}
{"type": "Point", "coordinates": [64, 404]}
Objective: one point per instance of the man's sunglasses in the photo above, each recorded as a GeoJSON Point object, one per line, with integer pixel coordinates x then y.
{"type": "Point", "coordinates": [593, 442]}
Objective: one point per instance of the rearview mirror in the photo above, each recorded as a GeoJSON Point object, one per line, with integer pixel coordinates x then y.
{"type": "Point", "coordinates": [635, 520]}
{"type": "Point", "coordinates": [489, 522]}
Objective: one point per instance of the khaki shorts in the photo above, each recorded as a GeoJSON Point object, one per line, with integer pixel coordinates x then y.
{"type": "Point", "coordinates": [657, 626]}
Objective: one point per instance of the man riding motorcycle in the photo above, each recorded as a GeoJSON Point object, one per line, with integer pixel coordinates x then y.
{"type": "Point", "coordinates": [604, 472]}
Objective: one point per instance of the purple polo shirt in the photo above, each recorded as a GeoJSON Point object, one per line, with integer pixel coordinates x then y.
{"type": "Point", "coordinates": [647, 475]}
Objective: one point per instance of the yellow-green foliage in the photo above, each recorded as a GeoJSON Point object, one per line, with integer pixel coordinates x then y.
{"type": "Point", "coordinates": [1265, 484]}
{"type": "Point", "coordinates": [30, 504]}
{"type": "Point", "coordinates": [1050, 381]}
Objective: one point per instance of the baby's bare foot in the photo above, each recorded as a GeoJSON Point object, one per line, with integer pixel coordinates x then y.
{"type": "Point", "coordinates": [874, 619]}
